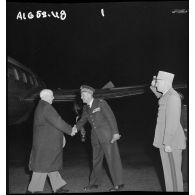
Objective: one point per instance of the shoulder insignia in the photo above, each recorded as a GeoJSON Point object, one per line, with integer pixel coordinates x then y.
{"type": "Point", "coordinates": [101, 100]}
{"type": "Point", "coordinates": [96, 109]}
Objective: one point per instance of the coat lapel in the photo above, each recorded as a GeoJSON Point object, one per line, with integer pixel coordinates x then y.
{"type": "Point", "coordinates": [94, 105]}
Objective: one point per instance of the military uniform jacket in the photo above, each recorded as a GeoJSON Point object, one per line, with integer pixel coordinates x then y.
{"type": "Point", "coordinates": [46, 154]}
{"type": "Point", "coordinates": [168, 128]}
{"type": "Point", "coordinates": [102, 121]}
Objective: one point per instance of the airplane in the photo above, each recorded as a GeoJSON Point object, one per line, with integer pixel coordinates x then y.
{"type": "Point", "coordinates": [21, 82]}
{"type": "Point", "coordinates": [24, 87]}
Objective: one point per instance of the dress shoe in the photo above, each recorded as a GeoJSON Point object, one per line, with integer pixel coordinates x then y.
{"type": "Point", "coordinates": [91, 187]}
{"type": "Point", "coordinates": [61, 190]}
{"type": "Point", "coordinates": [116, 188]}
{"type": "Point", "coordinates": [28, 192]}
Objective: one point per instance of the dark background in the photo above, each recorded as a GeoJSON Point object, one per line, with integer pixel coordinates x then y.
{"type": "Point", "coordinates": [128, 46]}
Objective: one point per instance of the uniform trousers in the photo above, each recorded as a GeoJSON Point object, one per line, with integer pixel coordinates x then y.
{"type": "Point", "coordinates": [111, 152]}
{"type": "Point", "coordinates": [171, 162]}
{"type": "Point", "coordinates": [37, 182]}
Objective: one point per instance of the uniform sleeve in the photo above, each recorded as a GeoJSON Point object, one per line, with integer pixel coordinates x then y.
{"type": "Point", "coordinates": [83, 119]}
{"type": "Point", "coordinates": [55, 120]}
{"type": "Point", "coordinates": [106, 110]}
{"type": "Point", "coordinates": [157, 94]}
{"type": "Point", "coordinates": [172, 118]}
{"type": "Point", "coordinates": [184, 119]}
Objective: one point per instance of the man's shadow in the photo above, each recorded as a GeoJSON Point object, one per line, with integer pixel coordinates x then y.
{"type": "Point", "coordinates": [155, 155]}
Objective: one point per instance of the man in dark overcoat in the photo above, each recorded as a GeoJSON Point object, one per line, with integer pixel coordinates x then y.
{"type": "Point", "coordinates": [46, 157]}
{"type": "Point", "coordinates": [104, 135]}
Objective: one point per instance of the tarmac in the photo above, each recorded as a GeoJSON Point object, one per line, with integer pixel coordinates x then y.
{"type": "Point", "coordinates": [142, 168]}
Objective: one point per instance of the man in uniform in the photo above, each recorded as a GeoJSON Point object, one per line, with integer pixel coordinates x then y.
{"type": "Point", "coordinates": [47, 149]}
{"type": "Point", "coordinates": [169, 136]}
{"type": "Point", "coordinates": [104, 135]}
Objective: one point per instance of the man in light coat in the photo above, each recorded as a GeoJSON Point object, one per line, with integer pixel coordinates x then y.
{"type": "Point", "coordinates": [46, 157]}
{"type": "Point", "coordinates": [169, 136]}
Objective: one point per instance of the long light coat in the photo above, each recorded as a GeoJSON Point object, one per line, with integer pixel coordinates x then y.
{"type": "Point", "coordinates": [168, 127]}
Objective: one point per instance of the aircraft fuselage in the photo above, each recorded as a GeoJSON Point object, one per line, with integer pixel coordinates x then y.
{"type": "Point", "coordinates": [21, 83]}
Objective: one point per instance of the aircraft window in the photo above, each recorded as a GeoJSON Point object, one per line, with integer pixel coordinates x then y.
{"type": "Point", "coordinates": [36, 82]}
{"type": "Point", "coordinates": [16, 74]}
{"type": "Point", "coordinates": [20, 74]}
{"type": "Point", "coordinates": [24, 77]}
{"type": "Point", "coordinates": [31, 80]}
{"type": "Point", "coordinates": [10, 72]}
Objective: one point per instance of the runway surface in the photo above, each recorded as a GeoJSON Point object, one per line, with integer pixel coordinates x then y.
{"type": "Point", "coordinates": [142, 168]}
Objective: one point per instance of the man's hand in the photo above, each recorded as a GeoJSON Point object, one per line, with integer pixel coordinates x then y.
{"type": "Point", "coordinates": [153, 83]}
{"type": "Point", "coordinates": [64, 141]}
{"type": "Point", "coordinates": [115, 137]}
{"type": "Point", "coordinates": [185, 132]}
{"type": "Point", "coordinates": [154, 89]}
{"type": "Point", "coordinates": [168, 149]}
{"type": "Point", "coordinates": [74, 130]}
{"type": "Point", "coordinates": [83, 133]}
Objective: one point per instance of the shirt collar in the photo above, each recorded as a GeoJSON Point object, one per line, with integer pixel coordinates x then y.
{"type": "Point", "coordinates": [90, 103]}
{"type": "Point", "coordinates": [166, 91]}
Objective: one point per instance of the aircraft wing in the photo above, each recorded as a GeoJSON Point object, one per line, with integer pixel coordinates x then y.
{"type": "Point", "coordinates": [107, 92]}
{"type": "Point", "coordinates": [101, 93]}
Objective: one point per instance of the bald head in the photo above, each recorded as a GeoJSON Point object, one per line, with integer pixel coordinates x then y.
{"type": "Point", "coordinates": [47, 95]}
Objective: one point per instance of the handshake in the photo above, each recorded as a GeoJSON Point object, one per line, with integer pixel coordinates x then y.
{"type": "Point", "coordinates": [74, 130]}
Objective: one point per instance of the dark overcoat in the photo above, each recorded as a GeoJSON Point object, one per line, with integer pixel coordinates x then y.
{"type": "Point", "coordinates": [102, 120]}
{"type": "Point", "coordinates": [104, 126]}
{"type": "Point", "coordinates": [47, 148]}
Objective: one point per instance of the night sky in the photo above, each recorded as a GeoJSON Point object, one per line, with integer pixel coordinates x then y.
{"type": "Point", "coordinates": [127, 46]}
